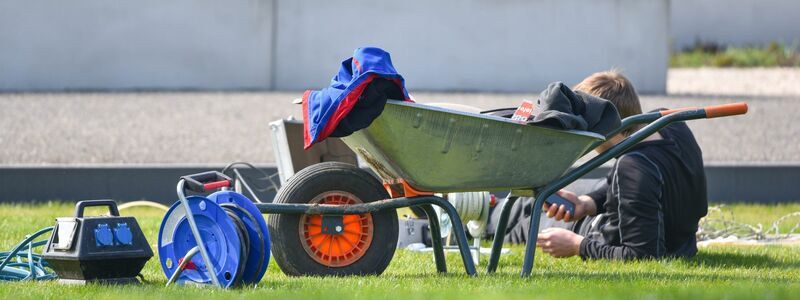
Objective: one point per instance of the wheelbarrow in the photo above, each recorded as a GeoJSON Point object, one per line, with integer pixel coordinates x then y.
{"type": "Point", "coordinates": [337, 219]}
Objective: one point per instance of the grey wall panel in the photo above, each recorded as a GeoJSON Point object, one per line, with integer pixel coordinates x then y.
{"type": "Point", "coordinates": [118, 182]}
{"type": "Point", "coordinates": [281, 44]}
{"type": "Point", "coordinates": [741, 182]}
{"type": "Point", "coordinates": [772, 183]}
{"type": "Point", "coordinates": [477, 45]}
{"type": "Point", "coordinates": [110, 45]}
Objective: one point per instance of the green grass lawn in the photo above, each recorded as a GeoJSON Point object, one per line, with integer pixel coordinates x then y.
{"type": "Point", "coordinates": [742, 272]}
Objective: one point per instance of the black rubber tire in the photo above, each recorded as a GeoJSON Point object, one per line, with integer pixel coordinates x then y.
{"type": "Point", "coordinates": [311, 182]}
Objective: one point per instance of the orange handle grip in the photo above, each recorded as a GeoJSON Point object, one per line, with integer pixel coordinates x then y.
{"type": "Point", "coordinates": [725, 110]}
{"type": "Point", "coordinates": [714, 111]}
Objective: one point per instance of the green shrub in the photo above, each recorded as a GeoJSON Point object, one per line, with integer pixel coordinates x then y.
{"type": "Point", "coordinates": [712, 55]}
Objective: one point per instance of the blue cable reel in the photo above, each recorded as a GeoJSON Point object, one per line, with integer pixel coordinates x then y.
{"type": "Point", "coordinates": [257, 232]}
{"type": "Point", "coordinates": [233, 231]}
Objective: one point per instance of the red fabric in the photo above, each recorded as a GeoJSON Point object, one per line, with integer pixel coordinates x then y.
{"type": "Point", "coordinates": [344, 108]}
{"type": "Point", "coordinates": [306, 136]}
{"type": "Point", "coordinates": [189, 266]}
{"type": "Point", "coordinates": [341, 112]}
{"type": "Point", "coordinates": [358, 64]}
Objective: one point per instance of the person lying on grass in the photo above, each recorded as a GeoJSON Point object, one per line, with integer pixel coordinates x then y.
{"type": "Point", "coordinates": [652, 199]}
{"type": "Point", "coordinates": [648, 206]}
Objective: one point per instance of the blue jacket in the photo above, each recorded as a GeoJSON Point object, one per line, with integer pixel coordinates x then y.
{"type": "Point", "coordinates": [355, 97]}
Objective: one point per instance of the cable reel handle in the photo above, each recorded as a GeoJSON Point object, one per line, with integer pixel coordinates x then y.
{"type": "Point", "coordinates": [202, 182]}
{"type": "Point", "coordinates": [81, 205]}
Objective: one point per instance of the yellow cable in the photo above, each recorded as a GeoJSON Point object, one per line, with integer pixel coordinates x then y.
{"type": "Point", "coordinates": [143, 203]}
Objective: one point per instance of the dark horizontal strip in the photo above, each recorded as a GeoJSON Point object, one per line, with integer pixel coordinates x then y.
{"type": "Point", "coordinates": [727, 182]}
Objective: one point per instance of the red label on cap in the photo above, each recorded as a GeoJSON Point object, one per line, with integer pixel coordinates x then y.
{"type": "Point", "coordinates": [523, 112]}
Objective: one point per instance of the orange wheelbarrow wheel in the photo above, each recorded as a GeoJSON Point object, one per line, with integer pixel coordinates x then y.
{"type": "Point", "coordinates": [361, 244]}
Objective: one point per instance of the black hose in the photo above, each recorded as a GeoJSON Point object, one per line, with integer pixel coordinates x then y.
{"type": "Point", "coordinates": [244, 252]}
{"type": "Point", "coordinates": [263, 252]}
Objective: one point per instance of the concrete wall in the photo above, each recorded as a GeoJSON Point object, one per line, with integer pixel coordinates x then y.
{"type": "Point", "coordinates": [148, 44]}
{"type": "Point", "coordinates": [477, 45]}
{"type": "Point", "coordinates": [735, 22]}
{"type": "Point", "coordinates": [509, 45]}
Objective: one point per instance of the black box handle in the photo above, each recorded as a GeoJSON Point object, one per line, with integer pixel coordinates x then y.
{"type": "Point", "coordinates": [112, 206]}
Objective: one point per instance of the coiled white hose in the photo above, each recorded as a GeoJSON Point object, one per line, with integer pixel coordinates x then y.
{"type": "Point", "coordinates": [473, 210]}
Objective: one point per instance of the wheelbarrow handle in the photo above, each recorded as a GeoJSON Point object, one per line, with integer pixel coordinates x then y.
{"type": "Point", "coordinates": [714, 111]}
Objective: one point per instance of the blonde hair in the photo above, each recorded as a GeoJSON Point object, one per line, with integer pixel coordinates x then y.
{"type": "Point", "coordinates": [614, 87]}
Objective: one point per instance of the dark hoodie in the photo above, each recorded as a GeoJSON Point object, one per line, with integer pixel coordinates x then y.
{"type": "Point", "coordinates": [652, 201]}
{"type": "Point", "coordinates": [562, 108]}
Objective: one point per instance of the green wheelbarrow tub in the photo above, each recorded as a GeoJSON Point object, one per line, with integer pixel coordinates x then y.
{"type": "Point", "coordinates": [440, 150]}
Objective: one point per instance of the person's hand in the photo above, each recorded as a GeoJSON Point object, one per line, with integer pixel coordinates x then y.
{"type": "Point", "coordinates": [584, 206]}
{"type": "Point", "coordinates": [559, 242]}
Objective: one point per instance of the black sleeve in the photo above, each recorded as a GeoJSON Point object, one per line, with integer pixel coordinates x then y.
{"type": "Point", "coordinates": [637, 186]}
{"type": "Point", "coordinates": [599, 197]}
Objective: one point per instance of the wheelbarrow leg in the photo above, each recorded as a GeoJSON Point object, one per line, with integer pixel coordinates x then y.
{"type": "Point", "coordinates": [533, 233]}
{"type": "Point", "coordinates": [500, 234]}
{"type": "Point", "coordinates": [436, 238]}
{"type": "Point", "coordinates": [461, 236]}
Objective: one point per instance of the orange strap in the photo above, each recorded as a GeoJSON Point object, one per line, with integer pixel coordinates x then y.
{"type": "Point", "coordinates": [407, 190]}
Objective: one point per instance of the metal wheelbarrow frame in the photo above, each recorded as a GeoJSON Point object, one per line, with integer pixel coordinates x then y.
{"type": "Point", "coordinates": [656, 121]}
{"type": "Point", "coordinates": [403, 189]}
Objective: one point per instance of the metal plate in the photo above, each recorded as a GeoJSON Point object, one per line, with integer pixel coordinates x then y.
{"type": "Point", "coordinates": [65, 232]}
{"type": "Point", "coordinates": [175, 239]}
{"type": "Point", "coordinates": [258, 259]}
{"type": "Point", "coordinates": [441, 150]}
